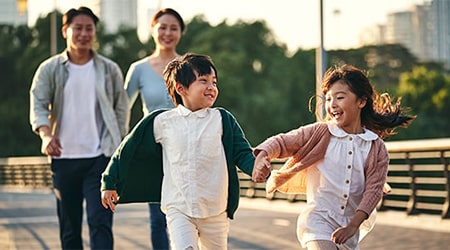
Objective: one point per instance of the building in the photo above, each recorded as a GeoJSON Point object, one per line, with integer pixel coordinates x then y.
{"type": "Point", "coordinates": [113, 13]}
{"type": "Point", "coordinates": [423, 29]}
{"type": "Point", "coordinates": [399, 29]}
{"type": "Point", "coordinates": [10, 13]}
{"type": "Point", "coordinates": [373, 35]}
{"type": "Point", "coordinates": [440, 16]}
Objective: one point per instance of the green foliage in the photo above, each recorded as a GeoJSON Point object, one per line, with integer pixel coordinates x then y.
{"type": "Point", "coordinates": [428, 91]}
{"type": "Point", "coordinates": [267, 90]}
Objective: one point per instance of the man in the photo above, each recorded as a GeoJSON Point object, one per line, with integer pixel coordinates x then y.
{"type": "Point", "coordinates": [79, 108]}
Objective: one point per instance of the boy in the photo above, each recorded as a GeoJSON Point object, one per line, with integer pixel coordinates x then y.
{"type": "Point", "coordinates": [186, 158]}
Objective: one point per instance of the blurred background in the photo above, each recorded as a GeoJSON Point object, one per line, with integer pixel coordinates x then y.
{"type": "Point", "coordinates": [265, 52]}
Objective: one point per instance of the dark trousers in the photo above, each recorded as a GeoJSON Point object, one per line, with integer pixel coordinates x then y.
{"type": "Point", "coordinates": [76, 180]}
{"type": "Point", "coordinates": [158, 227]}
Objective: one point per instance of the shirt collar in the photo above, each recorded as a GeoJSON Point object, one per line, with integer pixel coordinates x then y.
{"type": "Point", "coordinates": [338, 132]}
{"type": "Point", "coordinates": [183, 111]}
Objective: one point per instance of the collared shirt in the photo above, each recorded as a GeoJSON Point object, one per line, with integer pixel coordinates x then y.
{"type": "Point", "coordinates": [338, 182]}
{"type": "Point", "coordinates": [195, 171]}
{"type": "Point", "coordinates": [335, 187]}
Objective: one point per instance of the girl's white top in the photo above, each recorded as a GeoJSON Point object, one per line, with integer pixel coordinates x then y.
{"type": "Point", "coordinates": [335, 186]}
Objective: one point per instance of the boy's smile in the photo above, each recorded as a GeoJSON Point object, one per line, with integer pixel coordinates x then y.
{"type": "Point", "coordinates": [202, 93]}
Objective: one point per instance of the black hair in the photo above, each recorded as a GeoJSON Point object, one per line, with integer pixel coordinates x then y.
{"type": "Point", "coordinates": [168, 11]}
{"type": "Point", "coordinates": [68, 17]}
{"type": "Point", "coordinates": [181, 70]}
{"type": "Point", "coordinates": [380, 114]}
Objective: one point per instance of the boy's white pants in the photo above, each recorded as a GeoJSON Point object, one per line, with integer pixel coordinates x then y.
{"type": "Point", "coordinates": [194, 233]}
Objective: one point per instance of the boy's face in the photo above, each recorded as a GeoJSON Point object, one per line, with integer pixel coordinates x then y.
{"type": "Point", "coordinates": [202, 93]}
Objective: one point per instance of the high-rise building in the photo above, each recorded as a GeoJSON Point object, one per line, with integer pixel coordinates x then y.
{"type": "Point", "coordinates": [114, 13]}
{"type": "Point", "coordinates": [422, 43]}
{"type": "Point", "coordinates": [399, 29]}
{"type": "Point", "coordinates": [424, 30]}
{"type": "Point", "coordinates": [373, 35]}
{"type": "Point", "coordinates": [10, 13]}
{"type": "Point", "coordinates": [440, 15]}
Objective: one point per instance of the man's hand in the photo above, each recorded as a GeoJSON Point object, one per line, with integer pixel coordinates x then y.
{"type": "Point", "coordinates": [50, 144]}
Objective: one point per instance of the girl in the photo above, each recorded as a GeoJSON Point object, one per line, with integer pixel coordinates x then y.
{"type": "Point", "coordinates": [343, 159]}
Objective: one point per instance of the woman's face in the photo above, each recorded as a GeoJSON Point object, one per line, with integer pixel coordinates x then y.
{"type": "Point", "coordinates": [166, 32]}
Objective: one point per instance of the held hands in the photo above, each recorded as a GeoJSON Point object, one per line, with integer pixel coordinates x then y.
{"type": "Point", "coordinates": [109, 199]}
{"type": "Point", "coordinates": [261, 168]}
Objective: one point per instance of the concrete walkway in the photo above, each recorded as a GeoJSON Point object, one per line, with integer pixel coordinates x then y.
{"type": "Point", "coordinates": [28, 221]}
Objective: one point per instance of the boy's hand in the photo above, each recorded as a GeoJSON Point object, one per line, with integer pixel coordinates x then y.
{"type": "Point", "coordinates": [109, 199]}
{"type": "Point", "coordinates": [262, 167]}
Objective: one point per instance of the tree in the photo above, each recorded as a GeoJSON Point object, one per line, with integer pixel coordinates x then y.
{"type": "Point", "coordinates": [428, 92]}
{"type": "Point", "coordinates": [267, 90]}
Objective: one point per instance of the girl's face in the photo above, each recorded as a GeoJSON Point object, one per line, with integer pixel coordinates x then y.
{"type": "Point", "coordinates": [344, 107]}
{"type": "Point", "coordinates": [202, 93]}
{"type": "Point", "coordinates": [80, 33]}
{"type": "Point", "coordinates": [166, 32]}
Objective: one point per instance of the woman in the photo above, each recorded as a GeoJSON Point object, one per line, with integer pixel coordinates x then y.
{"type": "Point", "coordinates": [145, 78]}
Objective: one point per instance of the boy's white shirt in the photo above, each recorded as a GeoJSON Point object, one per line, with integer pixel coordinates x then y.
{"type": "Point", "coordinates": [194, 164]}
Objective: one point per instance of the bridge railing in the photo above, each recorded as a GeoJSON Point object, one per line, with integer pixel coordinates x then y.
{"type": "Point", "coordinates": [419, 175]}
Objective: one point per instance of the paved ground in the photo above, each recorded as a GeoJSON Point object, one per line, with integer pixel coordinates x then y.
{"type": "Point", "coordinates": [28, 221]}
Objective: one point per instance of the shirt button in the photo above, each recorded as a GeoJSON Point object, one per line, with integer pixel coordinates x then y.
{"type": "Point", "coordinates": [342, 207]}
{"type": "Point", "coordinates": [350, 138]}
{"type": "Point", "coordinates": [349, 166]}
{"type": "Point", "coordinates": [347, 181]}
{"type": "Point", "coordinates": [350, 152]}
{"type": "Point", "coordinates": [345, 196]}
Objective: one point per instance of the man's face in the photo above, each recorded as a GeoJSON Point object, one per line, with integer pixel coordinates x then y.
{"type": "Point", "coordinates": [80, 34]}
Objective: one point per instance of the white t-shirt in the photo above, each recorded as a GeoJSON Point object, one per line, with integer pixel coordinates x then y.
{"type": "Point", "coordinates": [81, 121]}
{"type": "Point", "coordinates": [195, 171]}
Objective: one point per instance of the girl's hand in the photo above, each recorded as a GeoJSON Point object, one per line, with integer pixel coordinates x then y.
{"type": "Point", "coordinates": [109, 199]}
{"type": "Point", "coordinates": [342, 234]}
{"type": "Point", "coordinates": [262, 167]}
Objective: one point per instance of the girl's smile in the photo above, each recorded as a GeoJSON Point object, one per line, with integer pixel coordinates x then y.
{"type": "Point", "coordinates": [344, 107]}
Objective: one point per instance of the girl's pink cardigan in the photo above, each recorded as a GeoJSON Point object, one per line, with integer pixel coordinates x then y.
{"type": "Point", "coordinates": [306, 146]}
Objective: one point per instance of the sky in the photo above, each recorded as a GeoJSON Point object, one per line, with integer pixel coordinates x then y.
{"type": "Point", "coordinates": [295, 23]}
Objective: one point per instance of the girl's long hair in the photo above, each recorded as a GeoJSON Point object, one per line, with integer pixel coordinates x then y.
{"type": "Point", "coordinates": [380, 114]}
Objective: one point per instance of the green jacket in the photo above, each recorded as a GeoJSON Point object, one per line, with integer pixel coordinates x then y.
{"type": "Point", "coordinates": [136, 172]}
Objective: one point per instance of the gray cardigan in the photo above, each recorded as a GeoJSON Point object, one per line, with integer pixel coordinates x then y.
{"type": "Point", "coordinates": [47, 89]}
